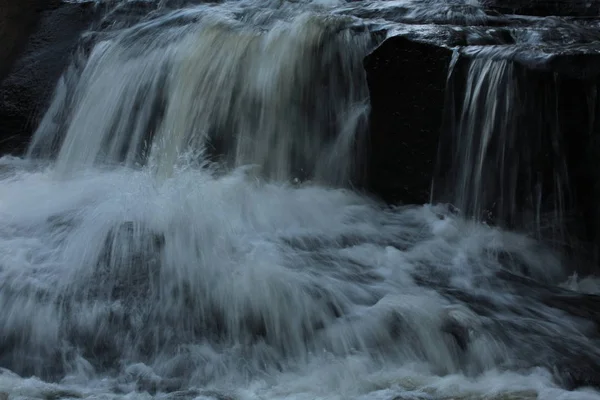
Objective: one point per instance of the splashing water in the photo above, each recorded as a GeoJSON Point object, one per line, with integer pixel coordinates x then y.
{"type": "Point", "coordinates": [231, 283]}
{"type": "Point", "coordinates": [149, 259]}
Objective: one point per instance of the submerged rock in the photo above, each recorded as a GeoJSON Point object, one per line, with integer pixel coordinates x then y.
{"type": "Point", "coordinates": [129, 265]}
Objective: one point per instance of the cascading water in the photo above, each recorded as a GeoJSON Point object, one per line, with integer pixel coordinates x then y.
{"type": "Point", "coordinates": [286, 95]}
{"type": "Point", "coordinates": [499, 144]}
{"type": "Point", "coordinates": [145, 258]}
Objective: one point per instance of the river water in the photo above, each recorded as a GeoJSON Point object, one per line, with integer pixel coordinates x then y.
{"type": "Point", "coordinates": [184, 227]}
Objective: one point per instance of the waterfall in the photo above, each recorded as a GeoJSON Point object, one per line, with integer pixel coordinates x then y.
{"type": "Point", "coordinates": [501, 159]}
{"type": "Point", "coordinates": [291, 99]}
{"type": "Point", "coordinates": [185, 225]}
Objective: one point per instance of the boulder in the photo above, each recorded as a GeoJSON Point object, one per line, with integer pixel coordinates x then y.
{"type": "Point", "coordinates": [407, 81]}
{"type": "Point", "coordinates": [578, 108]}
{"type": "Point", "coordinates": [27, 87]}
{"type": "Point", "coordinates": [17, 20]}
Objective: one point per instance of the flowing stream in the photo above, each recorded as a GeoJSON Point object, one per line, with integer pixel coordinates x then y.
{"type": "Point", "coordinates": [184, 226]}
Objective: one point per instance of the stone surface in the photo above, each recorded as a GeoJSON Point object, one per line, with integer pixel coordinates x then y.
{"type": "Point", "coordinates": [17, 20]}
{"type": "Point", "coordinates": [578, 119]}
{"type": "Point", "coordinates": [407, 82]}
{"type": "Point", "coordinates": [28, 86]}
{"type": "Point", "coordinates": [579, 8]}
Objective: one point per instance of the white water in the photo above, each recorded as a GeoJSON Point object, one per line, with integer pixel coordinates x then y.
{"type": "Point", "coordinates": [240, 253]}
{"type": "Point", "coordinates": [130, 268]}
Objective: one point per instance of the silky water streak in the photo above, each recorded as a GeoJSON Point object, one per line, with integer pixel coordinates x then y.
{"type": "Point", "coordinates": [289, 97]}
{"type": "Point", "coordinates": [500, 159]}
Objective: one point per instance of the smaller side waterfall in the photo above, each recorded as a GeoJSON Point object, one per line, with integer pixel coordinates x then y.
{"type": "Point", "coordinates": [500, 157]}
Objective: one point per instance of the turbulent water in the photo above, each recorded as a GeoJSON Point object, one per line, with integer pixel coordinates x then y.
{"type": "Point", "coordinates": [183, 227]}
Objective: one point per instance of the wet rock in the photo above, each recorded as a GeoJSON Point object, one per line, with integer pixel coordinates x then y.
{"type": "Point", "coordinates": [573, 8]}
{"type": "Point", "coordinates": [147, 381]}
{"type": "Point", "coordinates": [130, 263]}
{"type": "Point", "coordinates": [567, 60]}
{"type": "Point", "coordinates": [572, 360]}
{"type": "Point", "coordinates": [125, 14]}
{"type": "Point", "coordinates": [215, 395]}
{"type": "Point", "coordinates": [185, 395]}
{"type": "Point", "coordinates": [459, 332]}
{"type": "Point", "coordinates": [538, 170]}
{"type": "Point", "coordinates": [17, 20]}
{"type": "Point", "coordinates": [29, 83]}
{"type": "Point", "coordinates": [407, 82]}
{"type": "Point", "coordinates": [58, 394]}
{"type": "Point", "coordinates": [577, 372]}
{"type": "Point", "coordinates": [424, 12]}
{"type": "Point", "coordinates": [124, 278]}
{"type": "Point", "coordinates": [578, 108]}
{"type": "Point", "coordinates": [580, 305]}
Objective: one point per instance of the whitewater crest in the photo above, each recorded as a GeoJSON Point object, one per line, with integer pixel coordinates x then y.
{"type": "Point", "coordinates": [184, 227]}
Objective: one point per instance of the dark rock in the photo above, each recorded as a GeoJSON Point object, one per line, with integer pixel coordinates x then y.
{"type": "Point", "coordinates": [580, 61]}
{"type": "Point", "coordinates": [578, 108]}
{"type": "Point", "coordinates": [582, 305]}
{"type": "Point", "coordinates": [126, 14]}
{"type": "Point", "coordinates": [407, 82]}
{"type": "Point", "coordinates": [458, 331]}
{"type": "Point", "coordinates": [17, 21]}
{"type": "Point", "coordinates": [130, 263]}
{"type": "Point", "coordinates": [573, 8]}
{"type": "Point", "coordinates": [525, 328]}
{"type": "Point", "coordinates": [424, 12]}
{"type": "Point", "coordinates": [27, 88]}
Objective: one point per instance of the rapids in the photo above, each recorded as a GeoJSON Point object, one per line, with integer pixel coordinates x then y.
{"type": "Point", "coordinates": [185, 226]}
